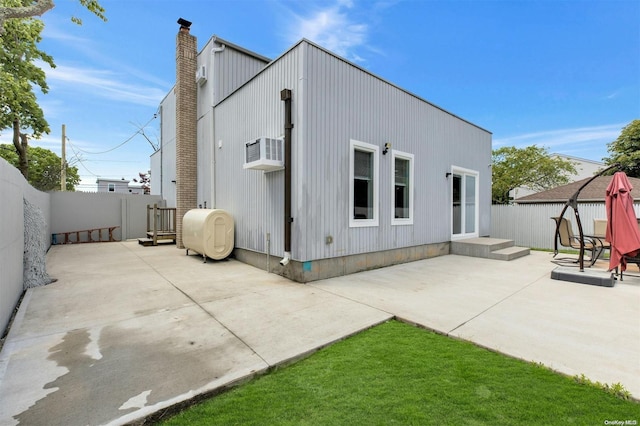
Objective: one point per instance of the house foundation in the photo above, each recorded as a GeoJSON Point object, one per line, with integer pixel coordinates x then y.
{"type": "Point", "coordinates": [314, 270]}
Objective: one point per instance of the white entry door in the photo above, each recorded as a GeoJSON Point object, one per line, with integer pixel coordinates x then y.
{"type": "Point", "coordinates": [464, 203]}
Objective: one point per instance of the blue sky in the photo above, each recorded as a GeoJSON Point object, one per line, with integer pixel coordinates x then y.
{"type": "Point", "coordinates": [560, 74]}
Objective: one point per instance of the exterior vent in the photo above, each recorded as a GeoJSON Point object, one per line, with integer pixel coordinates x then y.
{"type": "Point", "coordinates": [201, 75]}
{"type": "Point", "coordinates": [264, 154]}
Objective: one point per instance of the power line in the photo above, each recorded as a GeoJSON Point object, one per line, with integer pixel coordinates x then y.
{"type": "Point", "coordinates": [139, 131]}
{"type": "Point", "coordinates": [80, 159]}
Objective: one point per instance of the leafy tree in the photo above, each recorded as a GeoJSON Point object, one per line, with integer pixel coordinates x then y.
{"type": "Point", "coordinates": [625, 150]}
{"type": "Point", "coordinates": [19, 109]}
{"type": "Point", "coordinates": [532, 167]}
{"type": "Point", "coordinates": [44, 168]}
{"type": "Point", "coordinates": [23, 9]}
{"type": "Point", "coordinates": [32, 8]}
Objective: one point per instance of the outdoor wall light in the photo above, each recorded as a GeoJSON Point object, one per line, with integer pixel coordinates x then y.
{"type": "Point", "coordinates": [447, 175]}
{"type": "Point", "coordinates": [387, 146]}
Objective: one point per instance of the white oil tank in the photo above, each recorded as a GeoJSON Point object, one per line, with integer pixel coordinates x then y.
{"type": "Point", "coordinates": [208, 232]}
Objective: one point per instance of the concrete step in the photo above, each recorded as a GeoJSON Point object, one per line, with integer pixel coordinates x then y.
{"type": "Point", "coordinates": [145, 241]}
{"type": "Point", "coordinates": [488, 248]}
{"type": "Point", "coordinates": [479, 247]}
{"type": "Point", "coordinates": [509, 253]}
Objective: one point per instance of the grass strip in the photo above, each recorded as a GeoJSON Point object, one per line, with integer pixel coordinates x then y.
{"type": "Point", "coordinates": [399, 374]}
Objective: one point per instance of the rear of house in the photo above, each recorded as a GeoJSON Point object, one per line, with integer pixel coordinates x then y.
{"type": "Point", "coordinates": [379, 176]}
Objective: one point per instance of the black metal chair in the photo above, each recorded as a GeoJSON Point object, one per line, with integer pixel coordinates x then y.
{"type": "Point", "coordinates": [629, 259]}
{"type": "Point", "coordinates": [566, 238]}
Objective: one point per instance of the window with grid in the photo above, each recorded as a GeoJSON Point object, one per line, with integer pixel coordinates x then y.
{"type": "Point", "coordinates": [363, 189]}
{"type": "Point", "coordinates": [402, 188]}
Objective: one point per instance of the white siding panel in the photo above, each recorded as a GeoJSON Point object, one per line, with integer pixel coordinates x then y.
{"type": "Point", "coordinates": [164, 174]}
{"type": "Point", "coordinates": [255, 198]}
{"type": "Point", "coordinates": [344, 103]}
{"type": "Point", "coordinates": [530, 225]}
{"type": "Point", "coordinates": [333, 102]}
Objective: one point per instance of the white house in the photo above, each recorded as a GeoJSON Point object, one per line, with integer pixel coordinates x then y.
{"type": "Point", "coordinates": [376, 175]}
{"type": "Point", "coordinates": [119, 186]}
{"type": "Point", "coordinates": [584, 169]}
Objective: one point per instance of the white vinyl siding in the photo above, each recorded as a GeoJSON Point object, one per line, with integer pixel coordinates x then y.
{"type": "Point", "coordinates": [363, 184]}
{"type": "Point", "coordinates": [402, 188]}
{"type": "Point", "coordinates": [335, 102]}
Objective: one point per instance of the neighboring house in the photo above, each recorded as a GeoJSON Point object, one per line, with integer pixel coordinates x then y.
{"type": "Point", "coordinates": [120, 186]}
{"type": "Point", "coordinates": [594, 192]}
{"type": "Point", "coordinates": [378, 175]}
{"type": "Point", "coordinates": [584, 169]}
{"type": "Point", "coordinates": [136, 188]}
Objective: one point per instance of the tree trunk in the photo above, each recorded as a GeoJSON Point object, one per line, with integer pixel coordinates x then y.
{"type": "Point", "coordinates": [37, 8]}
{"type": "Point", "coordinates": [20, 142]}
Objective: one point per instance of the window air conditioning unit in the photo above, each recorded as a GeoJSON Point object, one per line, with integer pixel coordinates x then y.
{"type": "Point", "coordinates": [264, 154]}
{"type": "Point", "coordinates": [201, 75]}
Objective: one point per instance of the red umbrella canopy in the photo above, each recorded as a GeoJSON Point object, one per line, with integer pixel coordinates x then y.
{"type": "Point", "coordinates": [622, 225]}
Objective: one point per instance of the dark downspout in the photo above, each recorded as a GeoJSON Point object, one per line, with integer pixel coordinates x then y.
{"type": "Point", "coordinates": [285, 95]}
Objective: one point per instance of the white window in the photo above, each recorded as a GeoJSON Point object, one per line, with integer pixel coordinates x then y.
{"type": "Point", "coordinates": [112, 187]}
{"type": "Point", "coordinates": [402, 188]}
{"type": "Point", "coordinates": [363, 184]}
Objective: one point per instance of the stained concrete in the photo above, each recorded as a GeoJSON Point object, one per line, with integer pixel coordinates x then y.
{"type": "Point", "coordinates": [127, 331]}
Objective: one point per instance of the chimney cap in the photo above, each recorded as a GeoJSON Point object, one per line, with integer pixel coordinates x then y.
{"type": "Point", "coordinates": [184, 23]}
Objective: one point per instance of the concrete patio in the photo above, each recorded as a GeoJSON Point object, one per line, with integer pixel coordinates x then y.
{"type": "Point", "coordinates": [128, 331]}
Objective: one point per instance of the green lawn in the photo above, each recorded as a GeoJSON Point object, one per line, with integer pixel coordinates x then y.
{"type": "Point", "coordinates": [399, 374]}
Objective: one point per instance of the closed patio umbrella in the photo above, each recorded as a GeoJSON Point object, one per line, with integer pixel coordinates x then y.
{"type": "Point", "coordinates": [622, 225]}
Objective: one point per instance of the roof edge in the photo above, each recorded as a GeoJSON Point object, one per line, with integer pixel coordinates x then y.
{"type": "Point", "coordinates": [215, 39]}
{"type": "Point", "coordinates": [335, 55]}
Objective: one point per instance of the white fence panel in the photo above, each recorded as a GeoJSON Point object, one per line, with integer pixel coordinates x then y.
{"type": "Point", "coordinates": [530, 225]}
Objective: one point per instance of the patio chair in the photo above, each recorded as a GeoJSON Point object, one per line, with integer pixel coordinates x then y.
{"type": "Point", "coordinates": [600, 233]}
{"type": "Point", "coordinates": [600, 230]}
{"type": "Point", "coordinates": [629, 259]}
{"type": "Point", "coordinates": [566, 238]}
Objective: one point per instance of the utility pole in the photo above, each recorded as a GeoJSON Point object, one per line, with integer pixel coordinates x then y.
{"type": "Point", "coordinates": [63, 161]}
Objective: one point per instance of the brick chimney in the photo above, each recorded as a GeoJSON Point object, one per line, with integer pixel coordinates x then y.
{"type": "Point", "coordinates": [186, 126]}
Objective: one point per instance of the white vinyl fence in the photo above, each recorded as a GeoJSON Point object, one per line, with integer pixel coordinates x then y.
{"type": "Point", "coordinates": [530, 225]}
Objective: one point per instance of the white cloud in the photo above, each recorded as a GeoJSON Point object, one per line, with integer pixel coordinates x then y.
{"type": "Point", "coordinates": [561, 137]}
{"type": "Point", "coordinates": [333, 28]}
{"type": "Point", "coordinates": [53, 32]}
{"type": "Point", "coordinates": [103, 83]}
{"type": "Point", "coordinates": [95, 51]}
{"type": "Point", "coordinates": [584, 142]}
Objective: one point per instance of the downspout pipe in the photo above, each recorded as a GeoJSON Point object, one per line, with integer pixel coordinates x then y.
{"type": "Point", "coordinates": [212, 82]}
{"type": "Point", "coordinates": [285, 95]}
{"type": "Point", "coordinates": [161, 154]}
